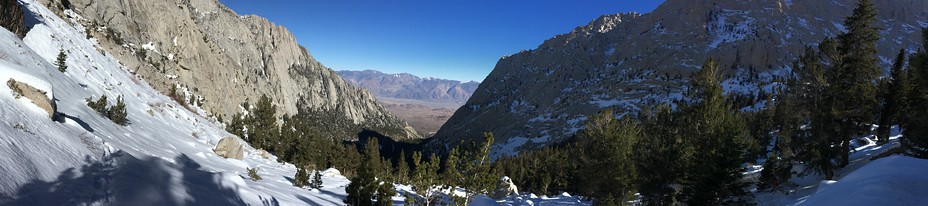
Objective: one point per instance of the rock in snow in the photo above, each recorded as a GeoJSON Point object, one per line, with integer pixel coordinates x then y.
{"type": "Point", "coordinates": [504, 188]}
{"type": "Point", "coordinates": [230, 147]}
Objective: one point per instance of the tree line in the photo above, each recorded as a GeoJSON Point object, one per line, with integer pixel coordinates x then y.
{"type": "Point", "coordinates": [692, 151]}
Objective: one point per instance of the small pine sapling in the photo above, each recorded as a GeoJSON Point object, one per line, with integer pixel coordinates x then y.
{"type": "Point", "coordinates": [60, 62]}
{"type": "Point", "coordinates": [316, 183]}
{"type": "Point", "coordinates": [117, 113]}
{"type": "Point", "coordinates": [253, 174]}
{"type": "Point", "coordinates": [301, 179]}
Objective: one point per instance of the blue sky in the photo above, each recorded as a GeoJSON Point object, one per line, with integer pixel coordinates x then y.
{"type": "Point", "coordinates": [459, 40]}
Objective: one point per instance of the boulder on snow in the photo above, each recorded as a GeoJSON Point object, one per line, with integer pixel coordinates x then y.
{"type": "Point", "coordinates": [230, 147]}
{"type": "Point", "coordinates": [263, 154]}
{"type": "Point", "coordinates": [38, 97]}
{"type": "Point", "coordinates": [11, 17]}
{"type": "Point", "coordinates": [504, 188]}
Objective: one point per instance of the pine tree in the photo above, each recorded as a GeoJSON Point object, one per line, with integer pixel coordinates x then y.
{"type": "Point", "coordinates": [401, 173]}
{"type": "Point", "coordinates": [425, 176]}
{"type": "Point", "coordinates": [60, 61]}
{"type": "Point", "coordinates": [609, 170]}
{"type": "Point", "coordinates": [286, 148]}
{"type": "Point", "coordinates": [316, 182]}
{"type": "Point", "coordinates": [809, 100]}
{"type": "Point", "coordinates": [469, 168]}
{"type": "Point", "coordinates": [236, 125]}
{"type": "Point", "coordinates": [660, 155]}
{"type": "Point", "coordinates": [366, 187]}
{"type": "Point", "coordinates": [117, 113]}
{"type": "Point", "coordinates": [717, 132]}
{"type": "Point", "coordinates": [300, 179]}
{"type": "Point", "coordinates": [892, 98]}
{"type": "Point", "coordinates": [852, 88]}
{"type": "Point", "coordinates": [915, 121]}
{"type": "Point", "coordinates": [99, 106]}
{"type": "Point", "coordinates": [262, 132]}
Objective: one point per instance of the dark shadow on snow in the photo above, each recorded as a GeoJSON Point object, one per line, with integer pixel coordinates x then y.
{"type": "Point", "coordinates": [121, 179]}
{"type": "Point", "coordinates": [61, 117]}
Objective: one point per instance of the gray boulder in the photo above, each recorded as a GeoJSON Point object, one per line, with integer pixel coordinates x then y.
{"type": "Point", "coordinates": [38, 97]}
{"type": "Point", "coordinates": [505, 188]}
{"type": "Point", "coordinates": [230, 147]}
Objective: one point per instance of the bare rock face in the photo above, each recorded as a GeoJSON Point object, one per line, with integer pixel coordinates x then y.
{"type": "Point", "coordinates": [11, 17]}
{"type": "Point", "coordinates": [221, 60]}
{"type": "Point", "coordinates": [230, 147]}
{"type": "Point", "coordinates": [505, 188]}
{"type": "Point", "coordinates": [38, 97]}
{"type": "Point", "coordinates": [626, 61]}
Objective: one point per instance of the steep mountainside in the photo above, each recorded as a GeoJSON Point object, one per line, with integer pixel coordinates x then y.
{"type": "Point", "coordinates": [626, 61]}
{"type": "Point", "coordinates": [163, 156]}
{"type": "Point", "coordinates": [221, 60]}
{"type": "Point", "coordinates": [408, 86]}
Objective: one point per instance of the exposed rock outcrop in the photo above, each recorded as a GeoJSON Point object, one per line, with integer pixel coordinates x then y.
{"type": "Point", "coordinates": [230, 147]}
{"type": "Point", "coordinates": [38, 97]}
{"type": "Point", "coordinates": [221, 60]}
{"type": "Point", "coordinates": [625, 61]}
{"type": "Point", "coordinates": [11, 17]}
{"type": "Point", "coordinates": [505, 188]}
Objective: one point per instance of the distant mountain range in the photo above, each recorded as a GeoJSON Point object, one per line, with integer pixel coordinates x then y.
{"type": "Point", "coordinates": [426, 103]}
{"type": "Point", "coordinates": [408, 86]}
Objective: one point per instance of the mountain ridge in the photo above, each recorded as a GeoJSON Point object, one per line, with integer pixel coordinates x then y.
{"type": "Point", "coordinates": [424, 102]}
{"type": "Point", "coordinates": [630, 60]}
{"type": "Point", "coordinates": [409, 86]}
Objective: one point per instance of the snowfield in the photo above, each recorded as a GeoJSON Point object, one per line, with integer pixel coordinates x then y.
{"type": "Point", "coordinates": [894, 180]}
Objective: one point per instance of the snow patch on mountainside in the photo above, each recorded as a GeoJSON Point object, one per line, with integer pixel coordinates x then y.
{"type": "Point", "coordinates": [894, 180]}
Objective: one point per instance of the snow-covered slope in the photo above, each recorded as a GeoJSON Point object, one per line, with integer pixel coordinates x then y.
{"type": "Point", "coordinates": [163, 157]}
{"type": "Point", "coordinates": [894, 180]}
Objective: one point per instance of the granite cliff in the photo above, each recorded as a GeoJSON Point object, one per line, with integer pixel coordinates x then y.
{"type": "Point", "coordinates": [219, 60]}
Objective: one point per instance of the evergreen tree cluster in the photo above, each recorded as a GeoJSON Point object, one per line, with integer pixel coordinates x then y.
{"type": "Point", "coordinates": [468, 166]}
{"type": "Point", "coordinates": [372, 185]}
{"type": "Point", "coordinates": [294, 139]}
{"type": "Point", "coordinates": [913, 117]}
{"type": "Point", "coordinates": [834, 95]}
{"type": "Point", "coordinates": [692, 155]}
{"type": "Point", "coordinates": [116, 113]}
